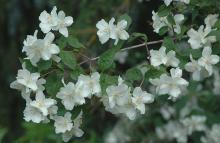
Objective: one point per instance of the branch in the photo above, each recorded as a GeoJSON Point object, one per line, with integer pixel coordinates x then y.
{"type": "Point", "coordinates": [146, 44]}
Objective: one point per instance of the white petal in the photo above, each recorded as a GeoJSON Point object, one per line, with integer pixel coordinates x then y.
{"type": "Point", "coordinates": [64, 31]}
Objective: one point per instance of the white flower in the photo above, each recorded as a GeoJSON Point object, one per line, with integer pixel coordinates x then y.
{"type": "Point", "coordinates": [121, 56]}
{"type": "Point", "coordinates": [119, 32]}
{"type": "Point", "coordinates": [167, 112]}
{"type": "Point", "coordinates": [159, 57]}
{"type": "Point", "coordinates": [30, 39]}
{"type": "Point", "coordinates": [170, 85]}
{"type": "Point", "coordinates": [194, 123]}
{"type": "Point", "coordinates": [70, 96]}
{"type": "Point", "coordinates": [140, 98]}
{"type": "Point", "coordinates": [168, 2]}
{"type": "Point", "coordinates": [52, 111]}
{"type": "Point", "coordinates": [75, 131]}
{"type": "Point", "coordinates": [26, 91]}
{"type": "Point", "coordinates": [40, 48]}
{"type": "Point", "coordinates": [63, 23]}
{"type": "Point", "coordinates": [27, 79]}
{"type": "Point", "coordinates": [104, 30]}
{"type": "Point", "coordinates": [118, 95]}
{"type": "Point", "coordinates": [110, 30]}
{"type": "Point", "coordinates": [213, 135]}
{"type": "Point", "coordinates": [48, 20]}
{"type": "Point", "coordinates": [195, 68]}
{"type": "Point", "coordinates": [57, 22]}
{"type": "Point", "coordinates": [178, 18]}
{"type": "Point", "coordinates": [90, 83]}
{"type": "Point", "coordinates": [63, 124]}
{"type": "Point", "coordinates": [127, 109]}
{"type": "Point", "coordinates": [33, 114]}
{"type": "Point", "coordinates": [158, 22]}
{"type": "Point", "coordinates": [200, 38]}
{"type": "Point", "coordinates": [172, 130]}
{"type": "Point", "coordinates": [211, 19]}
{"type": "Point", "coordinates": [118, 100]}
{"type": "Point", "coordinates": [208, 60]}
{"type": "Point", "coordinates": [43, 104]}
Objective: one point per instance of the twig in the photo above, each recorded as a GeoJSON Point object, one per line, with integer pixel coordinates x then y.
{"type": "Point", "coordinates": [148, 53]}
{"type": "Point", "coordinates": [146, 44]}
{"type": "Point", "coordinates": [51, 71]}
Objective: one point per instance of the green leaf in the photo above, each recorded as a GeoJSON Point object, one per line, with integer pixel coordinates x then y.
{"type": "Point", "coordinates": [3, 131]}
{"type": "Point", "coordinates": [171, 20]}
{"type": "Point", "coordinates": [76, 72]}
{"type": "Point", "coordinates": [127, 18]}
{"type": "Point", "coordinates": [106, 60]}
{"type": "Point", "coordinates": [164, 11]}
{"type": "Point", "coordinates": [215, 33]}
{"type": "Point", "coordinates": [135, 36]}
{"type": "Point", "coordinates": [74, 42]}
{"type": "Point", "coordinates": [154, 73]}
{"type": "Point", "coordinates": [217, 25]}
{"type": "Point", "coordinates": [68, 59]}
{"type": "Point", "coordinates": [134, 74]}
{"type": "Point", "coordinates": [107, 80]}
{"type": "Point", "coordinates": [54, 83]}
{"type": "Point", "coordinates": [169, 44]}
{"type": "Point", "coordinates": [29, 66]}
{"type": "Point", "coordinates": [163, 30]}
{"type": "Point", "coordinates": [44, 65]}
{"type": "Point", "coordinates": [62, 42]}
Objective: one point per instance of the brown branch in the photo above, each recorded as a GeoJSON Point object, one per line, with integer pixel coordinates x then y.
{"type": "Point", "coordinates": [146, 44]}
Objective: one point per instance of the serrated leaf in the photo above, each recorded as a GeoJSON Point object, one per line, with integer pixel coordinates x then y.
{"type": "Point", "coordinates": [106, 60]}
{"type": "Point", "coordinates": [134, 74]}
{"type": "Point", "coordinates": [135, 36]}
{"type": "Point", "coordinates": [68, 58]}
{"type": "Point", "coordinates": [76, 72]}
{"type": "Point", "coordinates": [74, 42]}
{"type": "Point", "coordinates": [153, 73]}
{"type": "Point", "coordinates": [29, 66]}
{"type": "Point", "coordinates": [53, 83]}
{"type": "Point", "coordinates": [62, 42]}
{"type": "Point", "coordinates": [171, 20]}
{"type": "Point", "coordinates": [164, 11]}
{"type": "Point", "coordinates": [217, 25]}
{"type": "Point", "coordinates": [107, 80]}
{"type": "Point", "coordinates": [169, 44]}
{"type": "Point", "coordinates": [44, 65]}
{"type": "Point", "coordinates": [163, 30]}
{"type": "Point", "coordinates": [215, 33]}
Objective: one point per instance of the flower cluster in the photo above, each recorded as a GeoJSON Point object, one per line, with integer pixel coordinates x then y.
{"type": "Point", "coordinates": [74, 94]}
{"type": "Point", "coordinates": [119, 99]}
{"type": "Point", "coordinates": [55, 21]}
{"type": "Point", "coordinates": [172, 85]}
{"type": "Point", "coordinates": [203, 67]}
{"type": "Point", "coordinates": [110, 30]}
{"type": "Point", "coordinates": [180, 129]}
{"type": "Point", "coordinates": [37, 49]}
{"type": "Point", "coordinates": [160, 22]}
{"type": "Point", "coordinates": [159, 57]}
